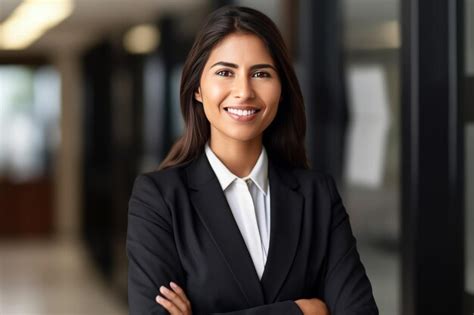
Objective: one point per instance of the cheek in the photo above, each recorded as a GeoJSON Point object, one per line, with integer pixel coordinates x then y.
{"type": "Point", "coordinates": [211, 96]}
{"type": "Point", "coordinates": [272, 114]}
{"type": "Point", "coordinates": [214, 93]}
{"type": "Point", "coordinates": [272, 97]}
{"type": "Point", "coordinates": [212, 113]}
{"type": "Point", "coordinates": [272, 100]}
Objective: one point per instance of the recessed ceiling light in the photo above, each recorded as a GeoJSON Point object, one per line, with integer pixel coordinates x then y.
{"type": "Point", "coordinates": [141, 39]}
{"type": "Point", "coordinates": [30, 20]}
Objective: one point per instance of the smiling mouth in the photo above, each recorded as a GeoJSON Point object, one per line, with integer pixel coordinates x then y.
{"type": "Point", "coordinates": [242, 112]}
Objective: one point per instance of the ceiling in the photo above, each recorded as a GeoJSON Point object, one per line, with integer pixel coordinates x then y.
{"type": "Point", "coordinates": [92, 18]}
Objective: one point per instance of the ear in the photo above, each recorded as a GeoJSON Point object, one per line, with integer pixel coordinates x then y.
{"type": "Point", "coordinates": [197, 95]}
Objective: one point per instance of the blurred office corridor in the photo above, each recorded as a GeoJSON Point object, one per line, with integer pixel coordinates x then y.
{"type": "Point", "coordinates": [53, 277]}
{"type": "Point", "coordinates": [93, 101]}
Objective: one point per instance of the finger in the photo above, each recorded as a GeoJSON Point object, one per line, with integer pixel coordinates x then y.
{"type": "Point", "coordinates": [168, 305]}
{"type": "Point", "coordinates": [176, 288]}
{"type": "Point", "coordinates": [175, 298]}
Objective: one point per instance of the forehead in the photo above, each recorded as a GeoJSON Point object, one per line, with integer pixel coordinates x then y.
{"type": "Point", "coordinates": [241, 48]}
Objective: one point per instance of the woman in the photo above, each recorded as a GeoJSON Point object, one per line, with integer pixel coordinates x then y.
{"type": "Point", "coordinates": [234, 221]}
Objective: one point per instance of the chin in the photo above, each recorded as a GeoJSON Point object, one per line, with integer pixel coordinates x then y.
{"type": "Point", "coordinates": [243, 137]}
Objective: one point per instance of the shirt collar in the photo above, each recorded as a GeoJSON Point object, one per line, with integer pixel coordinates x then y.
{"type": "Point", "coordinates": [259, 173]}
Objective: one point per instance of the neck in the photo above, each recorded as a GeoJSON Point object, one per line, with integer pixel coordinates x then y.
{"type": "Point", "coordinates": [238, 156]}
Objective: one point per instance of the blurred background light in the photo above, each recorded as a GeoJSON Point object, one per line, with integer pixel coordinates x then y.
{"type": "Point", "coordinates": [390, 34]}
{"type": "Point", "coordinates": [30, 20]}
{"type": "Point", "coordinates": [373, 36]}
{"type": "Point", "coordinates": [141, 39]}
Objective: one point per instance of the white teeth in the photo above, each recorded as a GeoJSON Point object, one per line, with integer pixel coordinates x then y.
{"type": "Point", "coordinates": [241, 112]}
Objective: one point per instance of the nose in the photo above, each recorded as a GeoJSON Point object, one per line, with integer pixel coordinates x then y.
{"type": "Point", "coordinates": [243, 88]}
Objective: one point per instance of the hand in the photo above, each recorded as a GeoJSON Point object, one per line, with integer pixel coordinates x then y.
{"type": "Point", "coordinates": [312, 307]}
{"type": "Point", "coordinates": [174, 301]}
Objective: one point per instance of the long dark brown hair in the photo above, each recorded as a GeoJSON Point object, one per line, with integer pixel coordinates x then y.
{"type": "Point", "coordinates": [284, 137]}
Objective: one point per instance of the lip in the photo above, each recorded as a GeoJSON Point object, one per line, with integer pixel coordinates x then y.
{"type": "Point", "coordinates": [243, 118]}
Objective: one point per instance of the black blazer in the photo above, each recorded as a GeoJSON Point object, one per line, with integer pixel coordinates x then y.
{"type": "Point", "coordinates": [180, 228]}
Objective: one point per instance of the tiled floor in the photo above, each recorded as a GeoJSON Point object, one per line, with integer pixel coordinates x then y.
{"type": "Point", "coordinates": [52, 278]}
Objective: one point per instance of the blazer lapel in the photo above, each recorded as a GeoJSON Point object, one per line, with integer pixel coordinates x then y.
{"type": "Point", "coordinates": [286, 214]}
{"type": "Point", "coordinates": [211, 204]}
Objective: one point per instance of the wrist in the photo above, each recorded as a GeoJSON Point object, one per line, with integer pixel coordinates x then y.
{"type": "Point", "coordinates": [312, 306]}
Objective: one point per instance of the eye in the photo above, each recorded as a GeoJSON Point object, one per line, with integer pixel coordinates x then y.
{"type": "Point", "coordinates": [262, 74]}
{"type": "Point", "coordinates": [224, 73]}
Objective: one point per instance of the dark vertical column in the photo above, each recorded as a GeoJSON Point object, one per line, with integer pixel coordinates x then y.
{"type": "Point", "coordinates": [168, 50]}
{"type": "Point", "coordinates": [432, 158]}
{"type": "Point", "coordinates": [468, 118]}
{"type": "Point", "coordinates": [323, 83]}
{"type": "Point", "coordinates": [98, 155]}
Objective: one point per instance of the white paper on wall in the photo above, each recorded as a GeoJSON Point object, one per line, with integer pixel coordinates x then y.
{"type": "Point", "coordinates": [369, 125]}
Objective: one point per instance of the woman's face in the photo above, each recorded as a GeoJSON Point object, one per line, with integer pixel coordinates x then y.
{"type": "Point", "coordinates": [239, 88]}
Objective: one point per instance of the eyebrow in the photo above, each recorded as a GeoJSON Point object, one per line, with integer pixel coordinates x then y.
{"type": "Point", "coordinates": [233, 65]}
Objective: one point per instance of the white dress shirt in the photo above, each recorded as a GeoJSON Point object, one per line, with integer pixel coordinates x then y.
{"type": "Point", "coordinates": [249, 201]}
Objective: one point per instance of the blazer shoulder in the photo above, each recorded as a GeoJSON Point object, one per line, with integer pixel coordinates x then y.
{"type": "Point", "coordinates": [154, 188]}
{"type": "Point", "coordinates": [165, 178]}
{"type": "Point", "coordinates": [314, 179]}
{"type": "Point", "coordinates": [311, 176]}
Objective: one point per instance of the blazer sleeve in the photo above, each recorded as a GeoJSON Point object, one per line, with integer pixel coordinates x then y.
{"type": "Point", "coordinates": [347, 287]}
{"type": "Point", "coordinates": [153, 259]}
{"type": "Point", "coordinates": [278, 308]}
{"type": "Point", "coordinates": [152, 256]}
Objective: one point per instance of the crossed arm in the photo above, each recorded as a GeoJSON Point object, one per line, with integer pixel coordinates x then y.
{"type": "Point", "coordinates": [149, 233]}
{"type": "Point", "coordinates": [175, 301]}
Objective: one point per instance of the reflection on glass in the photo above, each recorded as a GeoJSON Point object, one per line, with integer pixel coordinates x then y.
{"type": "Point", "coordinates": [29, 114]}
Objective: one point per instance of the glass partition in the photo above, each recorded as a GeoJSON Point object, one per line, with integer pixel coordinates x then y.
{"type": "Point", "coordinates": [372, 164]}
